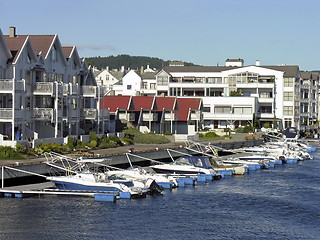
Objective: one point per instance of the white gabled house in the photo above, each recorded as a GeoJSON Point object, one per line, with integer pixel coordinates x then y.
{"type": "Point", "coordinates": [46, 90]}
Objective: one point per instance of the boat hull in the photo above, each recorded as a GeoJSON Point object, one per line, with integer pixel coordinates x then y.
{"type": "Point", "coordinates": [62, 185]}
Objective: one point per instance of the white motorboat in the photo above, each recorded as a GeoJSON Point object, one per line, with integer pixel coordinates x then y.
{"type": "Point", "coordinates": [186, 165]}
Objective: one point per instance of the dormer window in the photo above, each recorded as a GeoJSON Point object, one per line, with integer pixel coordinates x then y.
{"type": "Point", "coordinates": [54, 54]}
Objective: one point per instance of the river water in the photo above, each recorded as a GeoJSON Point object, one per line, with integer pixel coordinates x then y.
{"type": "Point", "coordinates": [280, 203]}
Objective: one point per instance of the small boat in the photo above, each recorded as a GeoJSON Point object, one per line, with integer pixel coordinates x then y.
{"type": "Point", "coordinates": [186, 165]}
{"type": "Point", "coordinates": [140, 174]}
{"type": "Point", "coordinates": [89, 175]}
{"type": "Point", "coordinates": [95, 183]}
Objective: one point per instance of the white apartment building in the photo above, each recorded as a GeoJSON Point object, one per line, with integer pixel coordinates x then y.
{"type": "Point", "coordinates": [275, 88]}
{"type": "Point", "coordinates": [46, 90]}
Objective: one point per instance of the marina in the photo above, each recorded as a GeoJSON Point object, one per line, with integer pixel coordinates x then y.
{"type": "Point", "coordinates": [275, 203]}
{"type": "Point", "coordinates": [95, 177]}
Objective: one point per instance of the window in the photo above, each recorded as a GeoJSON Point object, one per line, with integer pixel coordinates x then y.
{"type": "Point", "coordinates": [129, 87]}
{"type": "Point", "coordinates": [288, 82]}
{"type": "Point", "coordinates": [74, 79]}
{"type": "Point", "coordinates": [152, 86]}
{"type": "Point", "coordinates": [265, 109]}
{"type": "Point", "coordinates": [222, 109]}
{"type": "Point", "coordinates": [28, 58]}
{"type": "Point", "coordinates": [287, 110]}
{"type": "Point", "coordinates": [206, 108]}
{"type": "Point", "coordinates": [53, 77]}
{"type": "Point", "coordinates": [145, 85]}
{"type": "Point", "coordinates": [44, 76]}
{"type": "Point", "coordinates": [242, 110]}
{"type": "Point", "coordinates": [60, 77]}
{"type": "Point", "coordinates": [288, 96]}
{"type": "Point", "coordinates": [162, 80]}
{"type": "Point", "coordinates": [74, 103]}
{"type": "Point", "coordinates": [54, 54]}
{"type": "Point", "coordinates": [214, 80]}
{"type": "Point", "coordinates": [266, 95]}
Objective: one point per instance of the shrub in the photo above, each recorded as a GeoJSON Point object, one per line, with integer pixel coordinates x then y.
{"type": "Point", "coordinates": [9, 153]}
{"type": "Point", "coordinates": [93, 144]}
{"type": "Point", "coordinates": [116, 139]}
{"type": "Point", "coordinates": [126, 141]}
{"type": "Point", "coordinates": [210, 135]}
{"type": "Point", "coordinates": [145, 138]}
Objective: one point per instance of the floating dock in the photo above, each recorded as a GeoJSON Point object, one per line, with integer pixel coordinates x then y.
{"type": "Point", "coordinates": [48, 188]}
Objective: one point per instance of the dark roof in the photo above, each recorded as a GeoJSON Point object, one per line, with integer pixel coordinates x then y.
{"type": "Point", "coordinates": [147, 75]}
{"type": "Point", "coordinates": [67, 51]}
{"type": "Point", "coordinates": [15, 45]}
{"type": "Point", "coordinates": [169, 69]}
{"type": "Point", "coordinates": [289, 70]}
{"type": "Point", "coordinates": [234, 60]}
{"type": "Point", "coordinates": [40, 43]}
{"type": "Point", "coordinates": [309, 75]}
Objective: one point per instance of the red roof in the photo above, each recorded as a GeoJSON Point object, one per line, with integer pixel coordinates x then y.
{"type": "Point", "coordinates": [165, 103]}
{"type": "Point", "coordinates": [143, 102]}
{"type": "Point", "coordinates": [115, 102]}
{"type": "Point", "coordinates": [186, 104]}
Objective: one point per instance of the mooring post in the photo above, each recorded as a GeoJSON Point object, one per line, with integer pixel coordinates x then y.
{"type": "Point", "coordinates": [2, 177]}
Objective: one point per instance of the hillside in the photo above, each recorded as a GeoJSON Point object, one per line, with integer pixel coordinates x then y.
{"type": "Point", "coordinates": [132, 62]}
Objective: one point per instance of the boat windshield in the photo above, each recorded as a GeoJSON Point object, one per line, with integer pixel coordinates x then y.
{"type": "Point", "coordinates": [181, 161]}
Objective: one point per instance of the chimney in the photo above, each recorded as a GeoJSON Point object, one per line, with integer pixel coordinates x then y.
{"type": "Point", "coordinates": [257, 62]}
{"type": "Point", "coordinates": [12, 31]}
{"type": "Point", "coordinates": [122, 68]}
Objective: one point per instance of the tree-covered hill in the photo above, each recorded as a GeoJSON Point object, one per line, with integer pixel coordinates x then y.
{"type": "Point", "coordinates": [132, 62]}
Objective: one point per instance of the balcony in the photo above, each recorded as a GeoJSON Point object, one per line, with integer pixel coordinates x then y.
{"type": "Point", "coordinates": [265, 115]}
{"type": "Point", "coordinates": [255, 85]}
{"type": "Point", "coordinates": [195, 116]}
{"type": "Point", "coordinates": [7, 85]}
{"type": "Point", "coordinates": [6, 113]}
{"type": "Point", "coordinates": [170, 116]}
{"type": "Point", "coordinates": [43, 114]}
{"type": "Point", "coordinates": [89, 113]}
{"type": "Point", "coordinates": [265, 100]}
{"type": "Point", "coordinates": [127, 116]}
{"type": "Point", "coordinates": [227, 116]}
{"type": "Point", "coordinates": [44, 88]}
{"type": "Point", "coordinates": [89, 91]}
{"type": "Point", "coordinates": [149, 116]}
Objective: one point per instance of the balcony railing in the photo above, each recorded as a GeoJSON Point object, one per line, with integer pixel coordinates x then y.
{"type": "Point", "coordinates": [195, 116]}
{"type": "Point", "coordinates": [89, 91]}
{"type": "Point", "coordinates": [5, 113]}
{"type": "Point", "coordinates": [44, 88]}
{"type": "Point", "coordinates": [170, 116]}
{"type": "Point", "coordinates": [7, 85]}
{"type": "Point", "coordinates": [90, 113]}
{"type": "Point", "coordinates": [127, 116]}
{"type": "Point", "coordinates": [43, 113]}
{"type": "Point", "coordinates": [150, 116]}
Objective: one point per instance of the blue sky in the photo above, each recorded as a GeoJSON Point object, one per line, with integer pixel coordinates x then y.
{"type": "Point", "coordinates": [204, 32]}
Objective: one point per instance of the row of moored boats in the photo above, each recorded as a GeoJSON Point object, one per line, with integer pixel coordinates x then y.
{"type": "Point", "coordinates": [201, 165]}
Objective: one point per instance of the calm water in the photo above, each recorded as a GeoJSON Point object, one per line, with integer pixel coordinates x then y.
{"type": "Point", "coordinates": [282, 203]}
